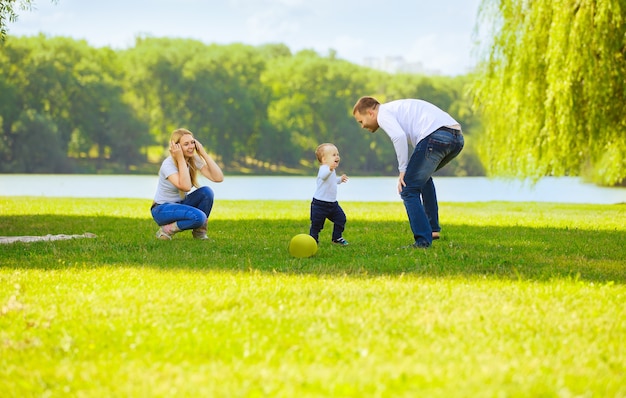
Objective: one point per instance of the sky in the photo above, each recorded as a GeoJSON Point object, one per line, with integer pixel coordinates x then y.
{"type": "Point", "coordinates": [436, 34]}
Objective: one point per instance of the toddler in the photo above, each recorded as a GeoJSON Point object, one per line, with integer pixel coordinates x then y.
{"type": "Point", "coordinates": [324, 204]}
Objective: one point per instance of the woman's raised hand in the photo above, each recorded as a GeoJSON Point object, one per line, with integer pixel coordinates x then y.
{"type": "Point", "coordinates": [176, 151]}
{"type": "Point", "coordinates": [200, 148]}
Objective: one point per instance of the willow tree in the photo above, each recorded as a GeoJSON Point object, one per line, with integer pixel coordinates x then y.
{"type": "Point", "coordinates": [552, 88]}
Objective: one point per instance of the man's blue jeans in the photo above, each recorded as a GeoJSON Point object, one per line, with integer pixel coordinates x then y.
{"type": "Point", "coordinates": [419, 196]}
{"type": "Point", "coordinates": [192, 212]}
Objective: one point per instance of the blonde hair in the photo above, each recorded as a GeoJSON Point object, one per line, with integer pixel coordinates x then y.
{"type": "Point", "coordinates": [193, 169]}
{"type": "Point", "coordinates": [321, 148]}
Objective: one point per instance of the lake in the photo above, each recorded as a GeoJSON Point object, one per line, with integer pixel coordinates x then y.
{"type": "Point", "coordinates": [360, 189]}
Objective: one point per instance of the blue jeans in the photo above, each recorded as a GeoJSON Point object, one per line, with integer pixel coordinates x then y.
{"type": "Point", "coordinates": [192, 212]}
{"type": "Point", "coordinates": [320, 211]}
{"type": "Point", "coordinates": [419, 196]}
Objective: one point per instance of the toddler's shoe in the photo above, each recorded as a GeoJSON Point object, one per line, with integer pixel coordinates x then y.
{"type": "Point", "coordinates": [340, 242]}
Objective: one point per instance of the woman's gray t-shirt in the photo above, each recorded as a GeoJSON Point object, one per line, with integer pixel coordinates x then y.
{"type": "Point", "coordinates": [166, 191]}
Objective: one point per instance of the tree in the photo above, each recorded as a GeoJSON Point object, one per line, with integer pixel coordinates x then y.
{"type": "Point", "coordinates": [551, 89]}
{"type": "Point", "coordinates": [41, 148]}
{"type": "Point", "coordinates": [8, 13]}
{"type": "Point", "coordinates": [312, 103]}
{"type": "Point", "coordinates": [35, 80]}
{"type": "Point", "coordinates": [155, 77]}
{"type": "Point", "coordinates": [225, 99]}
{"type": "Point", "coordinates": [75, 88]}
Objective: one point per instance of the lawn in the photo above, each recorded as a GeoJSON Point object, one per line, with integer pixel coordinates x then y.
{"type": "Point", "coordinates": [515, 300]}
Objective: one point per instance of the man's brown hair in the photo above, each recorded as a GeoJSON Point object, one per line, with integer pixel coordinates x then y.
{"type": "Point", "coordinates": [363, 104]}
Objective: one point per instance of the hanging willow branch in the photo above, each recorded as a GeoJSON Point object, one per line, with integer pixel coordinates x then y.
{"type": "Point", "coordinates": [8, 13]}
{"type": "Point", "coordinates": [551, 88]}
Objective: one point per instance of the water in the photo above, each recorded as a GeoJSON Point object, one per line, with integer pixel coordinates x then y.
{"type": "Point", "coordinates": [359, 189]}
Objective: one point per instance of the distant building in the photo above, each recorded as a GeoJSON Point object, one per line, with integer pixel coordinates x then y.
{"type": "Point", "coordinates": [397, 64]}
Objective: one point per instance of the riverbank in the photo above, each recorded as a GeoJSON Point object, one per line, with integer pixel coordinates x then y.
{"type": "Point", "coordinates": [359, 189]}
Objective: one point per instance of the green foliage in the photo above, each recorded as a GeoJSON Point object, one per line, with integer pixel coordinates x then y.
{"type": "Point", "coordinates": [516, 299]}
{"type": "Point", "coordinates": [313, 105]}
{"type": "Point", "coordinates": [77, 90]}
{"type": "Point", "coordinates": [39, 151]}
{"type": "Point", "coordinates": [257, 109]}
{"type": "Point", "coordinates": [552, 88]}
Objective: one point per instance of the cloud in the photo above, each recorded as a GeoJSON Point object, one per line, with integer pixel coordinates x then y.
{"type": "Point", "coordinates": [431, 33]}
{"type": "Point", "coordinates": [350, 47]}
{"type": "Point", "coordinates": [270, 26]}
{"type": "Point", "coordinates": [447, 53]}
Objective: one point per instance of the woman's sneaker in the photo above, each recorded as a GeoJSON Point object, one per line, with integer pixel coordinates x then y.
{"type": "Point", "coordinates": [340, 242]}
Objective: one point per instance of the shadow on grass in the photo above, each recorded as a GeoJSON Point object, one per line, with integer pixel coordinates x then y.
{"type": "Point", "coordinates": [375, 249]}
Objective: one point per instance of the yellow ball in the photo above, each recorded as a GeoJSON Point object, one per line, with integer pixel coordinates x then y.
{"type": "Point", "coordinates": [302, 245]}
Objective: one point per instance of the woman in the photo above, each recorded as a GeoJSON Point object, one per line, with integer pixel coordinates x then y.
{"type": "Point", "coordinates": [176, 208]}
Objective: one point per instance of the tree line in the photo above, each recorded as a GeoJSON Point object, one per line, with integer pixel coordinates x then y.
{"type": "Point", "coordinates": [66, 106]}
{"type": "Point", "coordinates": [549, 89]}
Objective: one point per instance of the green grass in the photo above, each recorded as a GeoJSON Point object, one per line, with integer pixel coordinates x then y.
{"type": "Point", "coordinates": [516, 299]}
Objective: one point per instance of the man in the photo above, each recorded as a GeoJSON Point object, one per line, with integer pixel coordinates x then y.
{"type": "Point", "coordinates": [437, 139]}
